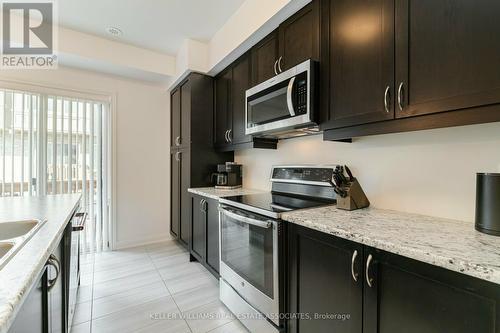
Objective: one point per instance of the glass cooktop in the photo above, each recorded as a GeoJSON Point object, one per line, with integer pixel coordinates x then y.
{"type": "Point", "coordinates": [278, 203]}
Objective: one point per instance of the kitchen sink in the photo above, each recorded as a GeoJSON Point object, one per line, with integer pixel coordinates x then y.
{"type": "Point", "coordinates": [5, 248]}
{"type": "Point", "coordinates": [16, 229]}
{"type": "Point", "coordinates": [13, 236]}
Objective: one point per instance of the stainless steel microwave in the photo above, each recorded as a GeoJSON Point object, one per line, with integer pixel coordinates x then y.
{"type": "Point", "coordinates": [283, 105]}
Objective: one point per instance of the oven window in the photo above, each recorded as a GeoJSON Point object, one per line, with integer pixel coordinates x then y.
{"type": "Point", "coordinates": [248, 250]}
{"type": "Point", "coordinates": [268, 106]}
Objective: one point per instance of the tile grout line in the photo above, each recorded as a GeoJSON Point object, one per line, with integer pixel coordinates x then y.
{"type": "Point", "coordinates": [173, 300]}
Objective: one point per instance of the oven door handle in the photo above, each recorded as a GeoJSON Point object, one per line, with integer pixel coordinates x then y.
{"type": "Point", "coordinates": [247, 220]}
{"type": "Point", "coordinates": [289, 96]}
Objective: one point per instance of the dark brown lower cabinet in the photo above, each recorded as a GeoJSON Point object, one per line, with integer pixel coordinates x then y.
{"type": "Point", "coordinates": [392, 294]}
{"type": "Point", "coordinates": [321, 282]}
{"type": "Point", "coordinates": [413, 297]}
{"type": "Point", "coordinates": [45, 309]}
{"type": "Point", "coordinates": [204, 245]}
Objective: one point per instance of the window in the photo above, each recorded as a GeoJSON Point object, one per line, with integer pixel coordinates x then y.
{"type": "Point", "coordinates": [57, 144]}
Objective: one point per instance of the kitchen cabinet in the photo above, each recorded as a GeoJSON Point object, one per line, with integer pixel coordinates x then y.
{"type": "Point", "coordinates": [441, 54]}
{"type": "Point", "coordinates": [320, 274]}
{"type": "Point", "coordinates": [230, 108]}
{"type": "Point", "coordinates": [296, 40]}
{"type": "Point", "coordinates": [223, 112]}
{"type": "Point", "coordinates": [359, 61]}
{"type": "Point", "coordinates": [265, 55]}
{"type": "Point", "coordinates": [193, 161]}
{"type": "Point", "coordinates": [446, 55]}
{"type": "Point", "coordinates": [32, 317]}
{"type": "Point", "coordinates": [411, 296]}
{"type": "Point", "coordinates": [392, 294]}
{"type": "Point", "coordinates": [205, 232]}
{"type": "Point", "coordinates": [299, 37]}
{"type": "Point", "coordinates": [45, 308]}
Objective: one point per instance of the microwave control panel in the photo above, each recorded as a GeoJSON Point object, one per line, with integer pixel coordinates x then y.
{"type": "Point", "coordinates": [300, 93]}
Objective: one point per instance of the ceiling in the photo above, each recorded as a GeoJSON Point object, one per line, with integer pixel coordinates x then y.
{"type": "Point", "coordinates": [159, 25]}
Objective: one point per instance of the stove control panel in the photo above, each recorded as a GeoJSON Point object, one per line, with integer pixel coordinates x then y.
{"type": "Point", "coordinates": [321, 175]}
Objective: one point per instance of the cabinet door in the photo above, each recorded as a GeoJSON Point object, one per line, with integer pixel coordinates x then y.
{"type": "Point", "coordinates": [264, 57]}
{"type": "Point", "coordinates": [299, 36]}
{"type": "Point", "coordinates": [359, 61]}
{"type": "Point", "coordinates": [414, 297]}
{"type": "Point", "coordinates": [223, 107]}
{"type": "Point", "coordinates": [240, 83]}
{"type": "Point", "coordinates": [175, 118]}
{"type": "Point", "coordinates": [175, 193]}
{"type": "Point", "coordinates": [57, 293]}
{"type": "Point", "coordinates": [199, 227]}
{"type": "Point", "coordinates": [213, 234]}
{"type": "Point", "coordinates": [447, 55]}
{"type": "Point", "coordinates": [31, 318]}
{"type": "Point", "coordinates": [185, 204]}
{"type": "Point", "coordinates": [321, 281]}
{"type": "Point", "coordinates": [185, 89]}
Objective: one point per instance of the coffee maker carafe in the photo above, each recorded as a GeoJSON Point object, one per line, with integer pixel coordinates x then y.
{"type": "Point", "coordinates": [228, 176]}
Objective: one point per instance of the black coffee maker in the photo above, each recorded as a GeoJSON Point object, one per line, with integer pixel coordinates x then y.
{"type": "Point", "coordinates": [228, 176]}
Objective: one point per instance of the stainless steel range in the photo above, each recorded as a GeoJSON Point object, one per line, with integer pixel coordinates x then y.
{"type": "Point", "coordinates": [252, 243]}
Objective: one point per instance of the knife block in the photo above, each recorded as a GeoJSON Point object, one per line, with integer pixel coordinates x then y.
{"type": "Point", "coordinates": [355, 199]}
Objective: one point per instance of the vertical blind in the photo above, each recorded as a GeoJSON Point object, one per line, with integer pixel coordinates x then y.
{"type": "Point", "coordinates": [54, 145]}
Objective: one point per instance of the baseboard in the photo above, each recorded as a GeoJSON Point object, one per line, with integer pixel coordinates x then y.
{"type": "Point", "coordinates": [141, 242]}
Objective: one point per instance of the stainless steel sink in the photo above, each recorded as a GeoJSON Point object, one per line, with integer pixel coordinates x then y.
{"type": "Point", "coordinates": [13, 236]}
{"type": "Point", "coordinates": [16, 229]}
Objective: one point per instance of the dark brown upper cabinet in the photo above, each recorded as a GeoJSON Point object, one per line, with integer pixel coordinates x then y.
{"type": "Point", "coordinates": [240, 83]}
{"type": "Point", "coordinates": [299, 37]}
{"type": "Point", "coordinates": [358, 61]}
{"type": "Point", "coordinates": [264, 58]}
{"type": "Point", "coordinates": [175, 118]}
{"type": "Point", "coordinates": [223, 114]}
{"type": "Point", "coordinates": [295, 41]}
{"type": "Point", "coordinates": [445, 64]}
{"type": "Point", "coordinates": [230, 104]}
{"type": "Point", "coordinates": [447, 55]}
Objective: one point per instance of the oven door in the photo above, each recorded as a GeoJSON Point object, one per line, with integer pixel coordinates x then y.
{"type": "Point", "coordinates": [249, 258]}
{"type": "Point", "coordinates": [280, 103]}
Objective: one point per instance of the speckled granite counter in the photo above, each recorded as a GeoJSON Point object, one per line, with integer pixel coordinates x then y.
{"type": "Point", "coordinates": [213, 193]}
{"type": "Point", "coordinates": [451, 244]}
{"type": "Point", "coordinates": [17, 276]}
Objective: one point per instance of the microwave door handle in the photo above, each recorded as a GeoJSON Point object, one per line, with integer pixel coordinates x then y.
{"type": "Point", "coordinates": [247, 220]}
{"type": "Point", "coordinates": [289, 97]}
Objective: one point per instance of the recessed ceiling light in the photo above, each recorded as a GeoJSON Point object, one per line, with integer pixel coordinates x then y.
{"type": "Point", "coordinates": [114, 31]}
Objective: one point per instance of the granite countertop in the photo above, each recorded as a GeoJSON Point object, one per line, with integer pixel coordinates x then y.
{"type": "Point", "coordinates": [19, 274]}
{"type": "Point", "coordinates": [213, 193]}
{"type": "Point", "coordinates": [450, 244]}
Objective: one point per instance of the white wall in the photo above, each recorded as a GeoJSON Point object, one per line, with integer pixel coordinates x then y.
{"type": "Point", "coordinates": [142, 148]}
{"type": "Point", "coordinates": [428, 172]}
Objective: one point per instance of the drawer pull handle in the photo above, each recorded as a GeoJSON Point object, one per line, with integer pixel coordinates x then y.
{"type": "Point", "coordinates": [369, 280]}
{"type": "Point", "coordinates": [353, 261]}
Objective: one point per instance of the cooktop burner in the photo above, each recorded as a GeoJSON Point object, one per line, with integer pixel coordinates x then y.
{"type": "Point", "coordinates": [274, 202]}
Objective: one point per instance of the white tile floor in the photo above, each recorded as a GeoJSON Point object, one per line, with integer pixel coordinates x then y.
{"type": "Point", "coordinates": [150, 289]}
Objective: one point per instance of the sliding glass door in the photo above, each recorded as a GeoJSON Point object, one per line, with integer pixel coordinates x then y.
{"type": "Point", "coordinates": [56, 144]}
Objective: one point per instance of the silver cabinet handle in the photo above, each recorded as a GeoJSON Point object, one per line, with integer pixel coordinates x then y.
{"type": "Point", "coordinates": [178, 156]}
{"type": "Point", "coordinates": [369, 280]}
{"type": "Point", "coordinates": [54, 262]}
{"type": "Point", "coordinates": [202, 203]}
{"type": "Point", "coordinates": [229, 136]}
{"type": "Point", "coordinates": [386, 97]}
{"type": "Point", "coordinates": [279, 64]}
{"type": "Point", "coordinates": [178, 141]}
{"type": "Point", "coordinates": [225, 136]}
{"type": "Point", "coordinates": [289, 102]}
{"type": "Point", "coordinates": [353, 261]}
{"type": "Point", "coordinates": [400, 96]}
{"type": "Point", "coordinates": [205, 205]}
{"type": "Point", "coordinates": [275, 71]}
